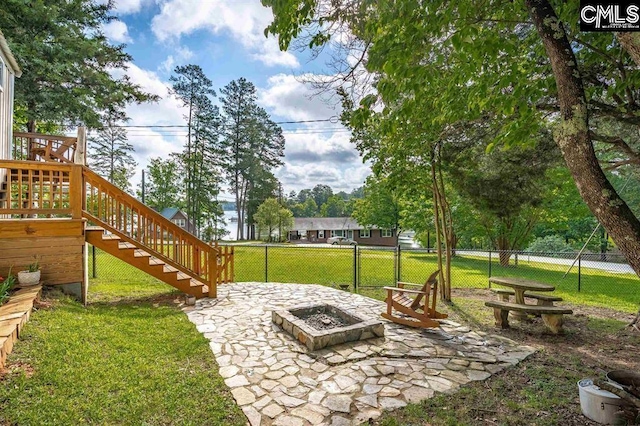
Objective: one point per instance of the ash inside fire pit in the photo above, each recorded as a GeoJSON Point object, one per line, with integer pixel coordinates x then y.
{"type": "Point", "coordinates": [323, 321]}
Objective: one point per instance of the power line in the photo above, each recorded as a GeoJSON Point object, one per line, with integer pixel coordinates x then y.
{"type": "Point", "coordinates": [289, 132]}
{"type": "Point", "coordinates": [333, 119]}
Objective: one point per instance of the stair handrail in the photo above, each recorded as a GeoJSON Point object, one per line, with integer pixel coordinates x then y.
{"type": "Point", "coordinates": [199, 260]}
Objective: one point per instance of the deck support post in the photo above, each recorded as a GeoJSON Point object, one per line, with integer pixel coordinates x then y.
{"type": "Point", "coordinates": [213, 272]}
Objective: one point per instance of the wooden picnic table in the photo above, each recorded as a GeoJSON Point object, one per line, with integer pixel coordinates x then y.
{"type": "Point", "coordinates": [520, 286]}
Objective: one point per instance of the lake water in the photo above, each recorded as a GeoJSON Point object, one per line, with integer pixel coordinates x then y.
{"type": "Point", "coordinates": [232, 227]}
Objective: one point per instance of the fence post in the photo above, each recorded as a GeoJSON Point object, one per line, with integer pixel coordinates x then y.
{"type": "Point", "coordinates": [355, 268]}
{"type": "Point", "coordinates": [266, 263]}
{"type": "Point", "coordinates": [395, 265]}
{"type": "Point", "coordinates": [359, 267]}
{"type": "Point", "coordinates": [212, 267]}
{"type": "Point", "coordinates": [399, 263]}
{"type": "Point", "coordinates": [489, 268]}
{"type": "Point", "coordinates": [579, 271]}
{"type": "Point", "coordinates": [93, 263]}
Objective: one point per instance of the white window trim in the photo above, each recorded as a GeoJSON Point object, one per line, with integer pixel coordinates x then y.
{"type": "Point", "coordinates": [386, 233]}
{"type": "Point", "coordinates": [321, 234]}
{"type": "Point", "coordinates": [337, 233]}
{"type": "Point", "coordinates": [3, 71]}
{"type": "Point", "coordinates": [365, 233]}
{"type": "Point", "coordinates": [180, 222]}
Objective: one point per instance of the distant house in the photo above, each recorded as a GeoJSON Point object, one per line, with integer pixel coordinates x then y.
{"type": "Point", "coordinates": [178, 217]}
{"type": "Point", "coordinates": [318, 229]}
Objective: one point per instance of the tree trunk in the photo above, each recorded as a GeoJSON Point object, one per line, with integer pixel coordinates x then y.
{"type": "Point", "coordinates": [504, 249]}
{"type": "Point", "coordinates": [630, 41]}
{"type": "Point", "coordinates": [444, 232]}
{"type": "Point", "coordinates": [572, 136]}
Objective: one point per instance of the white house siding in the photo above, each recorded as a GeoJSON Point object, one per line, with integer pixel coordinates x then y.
{"type": "Point", "coordinates": [8, 70]}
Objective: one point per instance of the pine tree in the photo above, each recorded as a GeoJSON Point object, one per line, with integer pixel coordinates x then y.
{"type": "Point", "coordinates": [251, 144]}
{"type": "Point", "coordinates": [71, 73]}
{"type": "Point", "coordinates": [198, 160]}
{"type": "Point", "coordinates": [111, 156]}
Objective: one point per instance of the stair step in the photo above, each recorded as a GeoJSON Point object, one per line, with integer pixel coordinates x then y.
{"type": "Point", "coordinates": [169, 269]}
{"type": "Point", "coordinates": [140, 256]}
{"type": "Point", "coordinates": [141, 253]}
{"type": "Point", "coordinates": [183, 276]}
{"type": "Point", "coordinates": [156, 261]}
{"type": "Point", "coordinates": [196, 283]}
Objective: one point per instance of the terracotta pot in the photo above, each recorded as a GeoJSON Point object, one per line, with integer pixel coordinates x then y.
{"type": "Point", "coordinates": [29, 278]}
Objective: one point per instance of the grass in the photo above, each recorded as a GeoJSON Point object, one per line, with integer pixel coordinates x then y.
{"type": "Point", "coordinates": [332, 266]}
{"type": "Point", "coordinates": [118, 362]}
{"type": "Point", "coordinates": [543, 388]}
{"type": "Point", "coordinates": [117, 280]}
{"type": "Point", "coordinates": [131, 357]}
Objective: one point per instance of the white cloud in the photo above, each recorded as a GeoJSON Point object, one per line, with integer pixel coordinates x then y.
{"type": "Point", "coordinates": [287, 96]}
{"type": "Point", "coordinates": [318, 152]}
{"type": "Point", "coordinates": [244, 20]}
{"type": "Point", "coordinates": [124, 7]}
{"type": "Point", "coordinates": [148, 142]}
{"type": "Point", "coordinates": [182, 56]}
{"type": "Point", "coordinates": [313, 156]}
{"type": "Point", "coordinates": [116, 32]}
{"type": "Point", "coordinates": [314, 153]}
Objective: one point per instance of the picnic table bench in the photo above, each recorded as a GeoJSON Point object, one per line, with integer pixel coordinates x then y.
{"type": "Point", "coordinates": [520, 288]}
{"type": "Point", "coordinates": [543, 299]}
{"type": "Point", "coordinates": [551, 315]}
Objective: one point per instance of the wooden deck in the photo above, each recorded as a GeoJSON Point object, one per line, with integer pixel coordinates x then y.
{"type": "Point", "coordinates": [13, 316]}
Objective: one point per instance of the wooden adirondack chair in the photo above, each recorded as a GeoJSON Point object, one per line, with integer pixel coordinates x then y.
{"type": "Point", "coordinates": [418, 313]}
{"type": "Point", "coordinates": [54, 149]}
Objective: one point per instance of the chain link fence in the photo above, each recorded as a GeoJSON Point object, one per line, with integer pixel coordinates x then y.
{"type": "Point", "coordinates": [600, 279]}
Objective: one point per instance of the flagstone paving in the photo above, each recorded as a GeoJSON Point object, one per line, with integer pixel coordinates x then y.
{"type": "Point", "coordinates": [276, 381]}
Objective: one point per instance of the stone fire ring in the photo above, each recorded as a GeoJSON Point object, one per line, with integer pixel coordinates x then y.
{"type": "Point", "coordinates": [313, 339]}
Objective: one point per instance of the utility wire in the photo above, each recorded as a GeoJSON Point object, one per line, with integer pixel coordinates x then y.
{"type": "Point", "coordinates": [333, 119]}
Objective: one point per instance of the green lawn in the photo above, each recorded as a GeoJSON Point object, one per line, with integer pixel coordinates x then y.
{"type": "Point", "coordinates": [333, 266]}
{"type": "Point", "coordinates": [119, 362]}
{"type": "Point", "coordinates": [132, 357]}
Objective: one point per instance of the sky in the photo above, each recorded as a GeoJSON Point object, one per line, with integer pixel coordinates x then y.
{"type": "Point", "coordinates": [226, 38]}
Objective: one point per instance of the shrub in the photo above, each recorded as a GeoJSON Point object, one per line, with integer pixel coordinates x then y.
{"type": "Point", "coordinates": [550, 244]}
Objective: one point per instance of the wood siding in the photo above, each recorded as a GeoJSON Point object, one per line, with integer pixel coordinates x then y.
{"type": "Point", "coordinates": [57, 244]}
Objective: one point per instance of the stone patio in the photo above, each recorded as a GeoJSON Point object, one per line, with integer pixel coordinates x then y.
{"type": "Point", "coordinates": [276, 381]}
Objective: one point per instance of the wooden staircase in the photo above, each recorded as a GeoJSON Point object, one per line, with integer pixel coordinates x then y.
{"type": "Point", "coordinates": [136, 255]}
{"type": "Point", "coordinates": [120, 224]}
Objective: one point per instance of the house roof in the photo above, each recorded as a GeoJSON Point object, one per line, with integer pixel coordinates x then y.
{"type": "Point", "coordinates": [170, 212]}
{"type": "Point", "coordinates": [4, 47]}
{"type": "Point", "coordinates": [326, 223]}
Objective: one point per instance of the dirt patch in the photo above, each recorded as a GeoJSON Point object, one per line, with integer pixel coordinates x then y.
{"type": "Point", "coordinates": [543, 388]}
{"type": "Point", "coordinates": [16, 368]}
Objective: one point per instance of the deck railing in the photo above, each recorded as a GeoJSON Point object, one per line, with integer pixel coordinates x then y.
{"type": "Point", "coordinates": [48, 148]}
{"type": "Point", "coordinates": [54, 189]}
{"type": "Point", "coordinates": [37, 189]}
{"type": "Point", "coordinates": [113, 209]}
